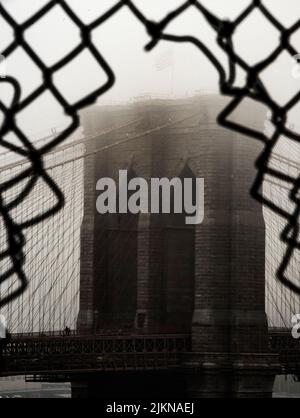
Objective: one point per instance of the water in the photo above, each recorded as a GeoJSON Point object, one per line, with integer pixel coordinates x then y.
{"type": "Point", "coordinates": [286, 387]}
{"type": "Point", "coordinates": [16, 387]}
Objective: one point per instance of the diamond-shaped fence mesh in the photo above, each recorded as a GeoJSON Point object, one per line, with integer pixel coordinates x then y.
{"type": "Point", "coordinates": [254, 89]}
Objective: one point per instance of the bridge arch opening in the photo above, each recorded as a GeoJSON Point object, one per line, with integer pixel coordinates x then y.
{"type": "Point", "coordinates": [121, 268]}
{"type": "Point", "coordinates": [178, 263]}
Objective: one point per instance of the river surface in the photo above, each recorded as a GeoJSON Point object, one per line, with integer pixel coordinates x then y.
{"type": "Point", "coordinates": [285, 387]}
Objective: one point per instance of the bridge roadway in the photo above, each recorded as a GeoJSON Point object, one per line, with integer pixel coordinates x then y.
{"type": "Point", "coordinates": [52, 357]}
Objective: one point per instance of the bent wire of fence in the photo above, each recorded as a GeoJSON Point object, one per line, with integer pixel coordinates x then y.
{"type": "Point", "coordinates": [254, 89]}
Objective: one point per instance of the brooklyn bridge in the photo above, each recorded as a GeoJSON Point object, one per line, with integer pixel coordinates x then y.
{"type": "Point", "coordinates": [128, 305]}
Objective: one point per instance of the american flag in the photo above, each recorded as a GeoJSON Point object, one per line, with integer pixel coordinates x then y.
{"type": "Point", "coordinates": [164, 60]}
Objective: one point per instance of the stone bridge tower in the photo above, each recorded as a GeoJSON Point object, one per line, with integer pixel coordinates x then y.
{"type": "Point", "coordinates": [155, 274]}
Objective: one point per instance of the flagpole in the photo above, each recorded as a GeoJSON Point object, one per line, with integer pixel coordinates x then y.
{"type": "Point", "coordinates": [172, 79]}
{"type": "Point", "coordinates": [165, 61]}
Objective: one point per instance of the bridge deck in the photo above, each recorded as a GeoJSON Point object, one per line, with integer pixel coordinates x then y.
{"type": "Point", "coordinates": [62, 354]}
{"type": "Point", "coordinates": [59, 354]}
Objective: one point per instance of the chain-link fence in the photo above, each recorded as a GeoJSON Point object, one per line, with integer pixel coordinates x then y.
{"type": "Point", "coordinates": [158, 31]}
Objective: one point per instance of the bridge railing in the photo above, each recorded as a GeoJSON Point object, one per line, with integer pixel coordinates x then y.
{"type": "Point", "coordinates": [29, 346]}
{"type": "Point", "coordinates": [281, 340]}
{"type": "Point", "coordinates": [41, 335]}
{"type": "Point", "coordinates": [54, 353]}
{"type": "Point", "coordinates": [35, 355]}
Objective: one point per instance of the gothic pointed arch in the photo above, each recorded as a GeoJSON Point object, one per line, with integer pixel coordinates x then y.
{"type": "Point", "coordinates": [178, 271]}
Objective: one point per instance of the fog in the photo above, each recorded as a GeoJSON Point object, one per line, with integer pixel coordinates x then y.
{"type": "Point", "coordinates": [170, 70]}
{"type": "Point", "coordinates": [121, 41]}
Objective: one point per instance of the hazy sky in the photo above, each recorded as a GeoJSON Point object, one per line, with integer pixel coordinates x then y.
{"type": "Point", "coordinates": [121, 40]}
